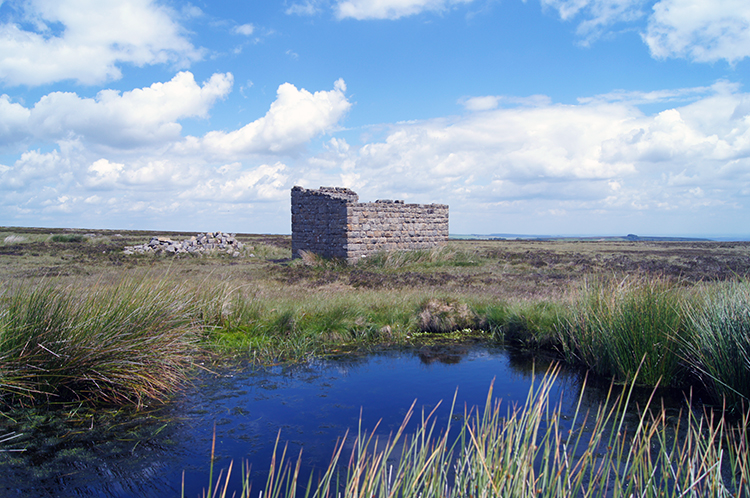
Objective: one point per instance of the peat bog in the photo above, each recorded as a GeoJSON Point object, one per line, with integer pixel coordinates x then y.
{"type": "Point", "coordinates": [643, 312]}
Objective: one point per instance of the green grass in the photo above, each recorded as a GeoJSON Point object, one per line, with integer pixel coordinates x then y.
{"type": "Point", "coordinates": [295, 326]}
{"type": "Point", "coordinates": [67, 238]}
{"type": "Point", "coordinates": [528, 324]}
{"type": "Point", "coordinates": [8, 238]}
{"type": "Point", "coordinates": [126, 343]}
{"type": "Point", "coordinates": [530, 450]}
{"type": "Point", "coordinates": [117, 330]}
{"type": "Point", "coordinates": [440, 256]}
{"type": "Point", "coordinates": [636, 324]}
{"type": "Point", "coordinates": [266, 251]}
{"type": "Point", "coordinates": [718, 350]}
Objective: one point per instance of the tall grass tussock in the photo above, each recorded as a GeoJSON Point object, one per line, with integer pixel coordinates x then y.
{"type": "Point", "coordinates": [123, 343]}
{"type": "Point", "coordinates": [616, 326]}
{"type": "Point", "coordinates": [718, 348]}
{"type": "Point", "coordinates": [424, 258]}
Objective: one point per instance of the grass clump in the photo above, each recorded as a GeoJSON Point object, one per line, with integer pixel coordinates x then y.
{"type": "Point", "coordinates": [274, 327]}
{"type": "Point", "coordinates": [446, 315]}
{"type": "Point", "coordinates": [126, 343]}
{"type": "Point", "coordinates": [319, 262]}
{"type": "Point", "coordinates": [67, 238]}
{"type": "Point", "coordinates": [528, 324]}
{"type": "Point", "coordinates": [13, 239]}
{"type": "Point", "coordinates": [617, 327]}
{"type": "Point", "coordinates": [268, 251]}
{"type": "Point", "coordinates": [718, 349]}
{"type": "Point", "coordinates": [423, 258]}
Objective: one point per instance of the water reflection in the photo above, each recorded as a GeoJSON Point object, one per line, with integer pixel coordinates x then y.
{"type": "Point", "coordinates": [449, 354]}
{"type": "Point", "coordinates": [310, 406]}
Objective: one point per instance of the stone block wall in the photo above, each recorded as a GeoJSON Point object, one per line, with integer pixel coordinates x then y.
{"type": "Point", "coordinates": [332, 223]}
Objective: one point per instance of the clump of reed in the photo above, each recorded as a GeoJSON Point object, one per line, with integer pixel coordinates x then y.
{"type": "Point", "coordinates": [318, 261]}
{"type": "Point", "coordinates": [532, 450]}
{"type": "Point", "coordinates": [615, 326]}
{"type": "Point", "coordinates": [433, 257]}
{"type": "Point", "coordinates": [268, 251]}
{"type": "Point", "coordinates": [526, 324]}
{"type": "Point", "coordinates": [718, 349]}
{"type": "Point", "coordinates": [123, 343]}
{"type": "Point", "coordinates": [60, 237]}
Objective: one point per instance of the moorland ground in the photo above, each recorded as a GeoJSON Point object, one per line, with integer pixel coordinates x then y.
{"type": "Point", "coordinates": [82, 323]}
{"type": "Point", "coordinates": [502, 268]}
{"type": "Point", "coordinates": [603, 304]}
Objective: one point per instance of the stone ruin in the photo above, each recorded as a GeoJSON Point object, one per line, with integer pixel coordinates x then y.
{"type": "Point", "coordinates": [210, 242]}
{"type": "Point", "coordinates": [332, 223]}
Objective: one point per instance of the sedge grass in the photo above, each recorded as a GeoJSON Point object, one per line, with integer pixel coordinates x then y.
{"type": "Point", "coordinates": [718, 350]}
{"type": "Point", "coordinates": [424, 258]}
{"type": "Point", "coordinates": [293, 326]}
{"type": "Point", "coordinates": [617, 324]}
{"type": "Point", "coordinates": [123, 344]}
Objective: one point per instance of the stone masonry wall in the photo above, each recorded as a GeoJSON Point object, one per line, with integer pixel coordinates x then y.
{"type": "Point", "coordinates": [332, 223]}
{"type": "Point", "coordinates": [319, 221]}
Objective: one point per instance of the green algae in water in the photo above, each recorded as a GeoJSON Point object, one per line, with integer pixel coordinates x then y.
{"type": "Point", "coordinates": [93, 451]}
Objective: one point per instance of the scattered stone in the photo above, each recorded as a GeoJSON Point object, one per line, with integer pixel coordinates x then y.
{"type": "Point", "coordinates": [202, 243]}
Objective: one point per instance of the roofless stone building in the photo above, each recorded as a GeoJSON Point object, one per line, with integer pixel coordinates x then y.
{"type": "Point", "coordinates": [332, 223]}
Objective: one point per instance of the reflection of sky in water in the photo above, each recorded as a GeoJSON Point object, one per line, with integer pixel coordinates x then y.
{"type": "Point", "coordinates": [311, 406]}
{"type": "Point", "coordinates": [314, 405]}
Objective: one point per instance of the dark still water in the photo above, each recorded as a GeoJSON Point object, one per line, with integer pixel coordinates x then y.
{"type": "Point", "coordinates": [119, 455]}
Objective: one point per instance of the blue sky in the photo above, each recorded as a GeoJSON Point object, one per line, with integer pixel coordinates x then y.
{"type": "Point", "coordinates": [578, 117]}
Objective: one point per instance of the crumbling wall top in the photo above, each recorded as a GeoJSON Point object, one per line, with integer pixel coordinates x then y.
{"type": "Point", "coordinates": [333, 192]}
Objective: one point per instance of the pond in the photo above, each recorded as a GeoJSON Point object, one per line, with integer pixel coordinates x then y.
{"type": "Point", "coordinates": [307, 406]}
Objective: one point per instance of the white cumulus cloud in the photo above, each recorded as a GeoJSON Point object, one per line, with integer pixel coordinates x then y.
{"type": "Point", "coordinates": [700, 30]}
{"type": "Point", "coordinates": [244, 29]}
{"type": "Point", "coordinates": [390, 9]}
{"type": "Point", "coordinates": [86, 40]}
{"type": "Point", "coordinates": [593, 164]}
{"type": "Point", "coordinates": [306, 8]}
{"type": "Point", "coordinates": [232, 184]}
{"type": "Point", "coordinates": [121, 159]}
{"type": "Point", "coordinates": [599, 15]}
{"type": "Point", "coordinates": [140, 116]}
{"type": "Point", "coordinates": [14, 121]}
{"type": "Point", "coordinates": [295, 117]}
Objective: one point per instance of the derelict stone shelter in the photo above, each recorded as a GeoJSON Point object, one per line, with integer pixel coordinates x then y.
{"type": "Point", "coordinates": [331, 222]}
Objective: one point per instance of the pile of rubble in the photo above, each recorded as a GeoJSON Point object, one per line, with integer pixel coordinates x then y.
{"type": "Point", "coordinates": [199, 244]}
